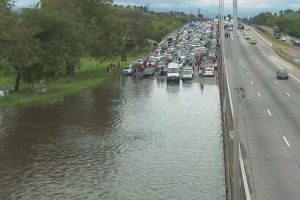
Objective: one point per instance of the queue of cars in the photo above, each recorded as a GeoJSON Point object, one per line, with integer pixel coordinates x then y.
{"type": "Point", "coordinates": [185, 53]}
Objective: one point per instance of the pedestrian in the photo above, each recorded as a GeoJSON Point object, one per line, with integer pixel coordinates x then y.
{"type": "Point", "coordinates": [107, 68]}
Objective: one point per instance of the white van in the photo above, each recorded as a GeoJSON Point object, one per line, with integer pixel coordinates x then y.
{"type": "Point", "coordinates": [173, 73]}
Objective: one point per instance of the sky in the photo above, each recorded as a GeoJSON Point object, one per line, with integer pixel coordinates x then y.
{"type": "Point", "coordinates": [246, 8]}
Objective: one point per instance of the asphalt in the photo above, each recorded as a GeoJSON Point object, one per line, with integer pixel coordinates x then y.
{"type": "Point", "coordinates": [269, 121]}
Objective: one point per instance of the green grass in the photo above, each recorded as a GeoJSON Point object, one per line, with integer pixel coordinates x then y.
{"type": "Point", "coordinates": [91, 73]}
{"type": "Point", "coordinates": [274, 40]}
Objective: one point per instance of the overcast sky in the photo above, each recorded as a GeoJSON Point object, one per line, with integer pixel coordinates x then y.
{"type": "Point", "coordinates": [209, 7]}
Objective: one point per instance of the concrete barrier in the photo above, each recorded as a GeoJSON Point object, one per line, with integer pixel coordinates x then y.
{"type": "Point", "coordinates": [244, 177]}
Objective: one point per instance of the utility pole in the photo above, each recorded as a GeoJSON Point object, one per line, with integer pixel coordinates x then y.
{"type": "Point", "coordinates": [236, 91]}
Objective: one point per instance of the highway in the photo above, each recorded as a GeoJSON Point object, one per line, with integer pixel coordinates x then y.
{"type": "Point", "coordinates": [269, 120]}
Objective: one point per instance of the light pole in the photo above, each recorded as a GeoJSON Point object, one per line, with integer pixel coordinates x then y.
{"type": "Point", "coordinates": [236, 89]}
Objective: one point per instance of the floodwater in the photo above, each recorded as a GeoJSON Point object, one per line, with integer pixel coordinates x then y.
{"type": "Point", "coordinates": [129, 139]}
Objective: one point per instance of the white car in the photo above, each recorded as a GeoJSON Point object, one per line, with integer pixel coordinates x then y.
{"type": "Point", "coordinates": [247, 37]}
{"type": "Point", "coordinates": [180, 63]}
{"type": "Point", "coordinates": [128, 71]}
{"type": "Point", "coordinates": [282, 39]}
{"type": "Point", "coordinates": [187, 75]}
{"type": "Point", "coordinates": [209, 71]}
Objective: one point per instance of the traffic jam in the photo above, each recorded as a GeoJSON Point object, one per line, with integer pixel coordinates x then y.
{"type": "Point", "coordinates": [191, 51]}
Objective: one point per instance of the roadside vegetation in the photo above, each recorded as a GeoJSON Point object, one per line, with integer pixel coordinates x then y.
{"type": "Point", "coordinates": [59, 47]}
{"type": "Point", "coordinates": [288, 21]}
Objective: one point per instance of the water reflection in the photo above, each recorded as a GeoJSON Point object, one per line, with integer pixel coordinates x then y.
{"type": "Point", "coordinates": [129, 139]}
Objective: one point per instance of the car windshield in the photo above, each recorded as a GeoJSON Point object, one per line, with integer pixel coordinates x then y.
{"type": "Point", "coordinates": [187, 72]}
{"type": "Point", "coordinates": [282, 72]}
{"type": "Point", "coordinates": [173, 70]}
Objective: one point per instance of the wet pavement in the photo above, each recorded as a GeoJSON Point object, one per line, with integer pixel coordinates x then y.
{"type": "Point", "coordinates": [131, 138]}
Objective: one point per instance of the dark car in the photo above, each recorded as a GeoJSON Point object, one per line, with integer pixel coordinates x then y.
{"type": "Point", "coordinates": [282, 74]}
{"type": "Point", "coordinates": [148, 71]}
{"type": "Point", "coordinates": [163, 70]}
{"type": "Point", "coordinates": [253, 41]}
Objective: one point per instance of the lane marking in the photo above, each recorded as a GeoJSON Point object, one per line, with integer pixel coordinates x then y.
{"type": "Point", "coordinates": [286, 141]}
{"type": "Point", "coordinates": [279, 67]}
{"type": "Point", "coordinates": [258, 94]}
{"type": "Point", "coordinates": [268, 74]}
{"type": "Point", "coordinates": [288, 94]}
{"type": "Point", "coordinates": [295, 78]}
{"type": "Point", "coordinates": [243, 66]}
{"type": "Point", "coordinates": [276, 82]}
{"type": "Point", "coordinates": [251, 82]}
{"type": "Point", "coordinates": [261, 67]}
{"type": "Point", "coordinates": [269, 112]}
{"type": "Point", "coordinates": [247, 74]}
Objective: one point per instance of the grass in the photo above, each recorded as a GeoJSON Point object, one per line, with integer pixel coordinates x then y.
{"type": "Point", "coordinates": [274, 40]}
{"type": "Point", "coordinates": [91, 74]}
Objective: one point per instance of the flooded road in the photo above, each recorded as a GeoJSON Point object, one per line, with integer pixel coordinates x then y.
{"type": "Point", "coordinates": [129, 139]}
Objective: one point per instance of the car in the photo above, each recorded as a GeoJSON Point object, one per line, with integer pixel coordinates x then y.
{"type": "Point", "coordinates": [282, 39]}
{"type": "Point", "coordinates": [247, 36]}
{"type": "Point", "coordinates": [130, 68]}
{"type": "Point", "coordinates": [209, 71]}
{"type": "Point", "coordinates": [148, 71]}
{"type": "Point", "coordinates": [128, 71]}
{"type": "Point", "coordinates": [282, 74]}
{"type": "Point", "coordinates": [187, 75]}
{"type": "Point", "coordinates": [163, 70]}
{"type": "Point", "coordinates": [253, 41]}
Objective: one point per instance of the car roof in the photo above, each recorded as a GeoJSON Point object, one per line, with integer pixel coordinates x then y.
{"type": "Point", "coordinates": [281, 70]}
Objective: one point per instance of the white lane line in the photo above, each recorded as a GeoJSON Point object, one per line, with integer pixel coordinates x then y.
{"type": "Point", "coordinates": [251, 82]}
{"type": "Point", "coordinates": [268, 74]}
{"type": "Point", "coordinates": [276, 82]}
{"type": "Point", "coordinates": [288, 94]}
{"type": "Point", "coordinates": [247, 74]}
{"type": "Point", "coordinates": [295, 78]}
{"type": "Point", "coordinates": [258, 94]}
{"type": "Point", "coordinates": [243, 66]}
{"type": "Point", "coordinates": [286, 141]}
{"type": "Point", "coordinates": [261, 67]}
{"type": "Point", "coordinates": [269, 112]}
{"type": "Point", "coordinates": [256, 61]}
{"type": "Point", "coordinates": [279, 67]}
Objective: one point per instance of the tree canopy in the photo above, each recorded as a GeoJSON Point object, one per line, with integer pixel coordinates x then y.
{"type": "Point", "coordinates": [288, 21]}
{"type": "Point", "coordinates": [47, 41]}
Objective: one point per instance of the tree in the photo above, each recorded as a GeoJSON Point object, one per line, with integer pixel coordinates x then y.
{"type": "Point", "coordinates": [19, 49]}
{"type": "Point", "coordinates": [281, 12]}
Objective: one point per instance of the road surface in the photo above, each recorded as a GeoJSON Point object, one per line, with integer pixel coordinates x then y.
{"type": "Point", "coordinates": [269, 120]}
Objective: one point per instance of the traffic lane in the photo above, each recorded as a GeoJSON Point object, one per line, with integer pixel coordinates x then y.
{"type": "Point", "coordinates": [278, 62]}
{"type": "Point", "coordinates": [281, 106]}
{"type": "Point", "coordinates": [260, 142]}
{"type": "Point", "coordinates": [290, 87]}
{"type": "Point", "coordinates": [275, 154]}
{"type": "Point", "coordinates": [262, 148]}
{"type": "Point", "coordinates": [280, 140]}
